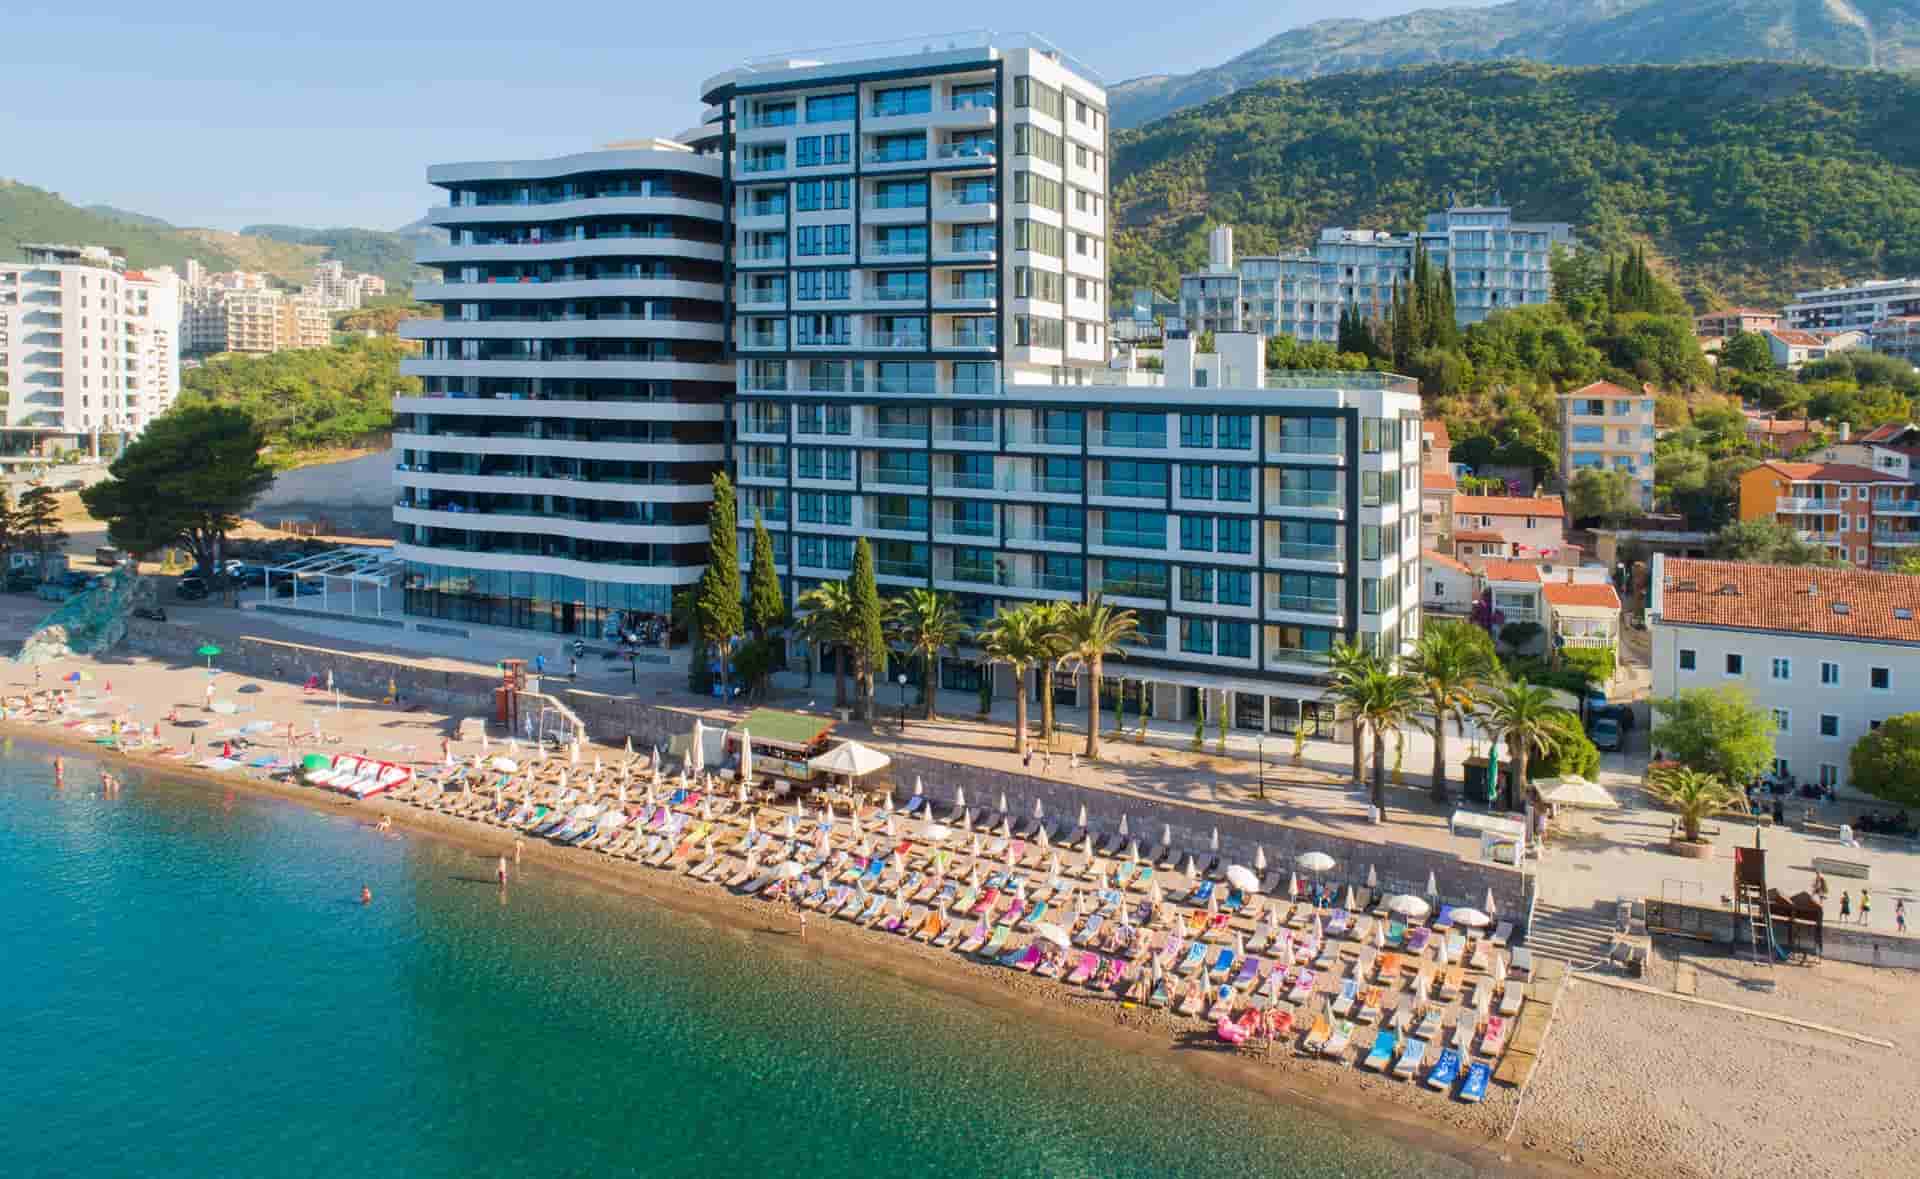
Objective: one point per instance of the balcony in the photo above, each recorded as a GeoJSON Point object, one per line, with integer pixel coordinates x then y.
{"type": "Point", "coordinates": [898, 432]}
{"type": "Point", "coordinates": [964, 529]}
{"type": "Point", "coordinates": [903, 341]}
{"type": "Point", "coordinates": [1805, 503]}
{"type": "Point", "coordinates": [764, 429]}
{"type": "Point", "coordinates": [884, 155]}
{"type": "Point", "coordinates": [910, 570]}
{"type": "Point", "coordinates": [1897, 507]}
{"type": "Point", "coordinates": [1286, 498]}
{"type": "Point", "coordinates": [981, 154]}
{"type": "Point", "coordinates": [1299, 655]}
{"type": "Point", "coordinates": [756, 165]}
{"type": "Point", "coordinates": [763, 471]}
{"type": "Point", "coordinates": [897, 295]}
{"type": "Point", "coordinates": [1590, 642]}
{"type": "Point", "coordinates": [1135, 587]}
{"type": "Point", "coordinates": [760, 296]}
{"type": "Point", "coordinates": [1133, 440]}
{"type": "Point", "coordinates": [893, 478]}
{"type": "Point", "coordinates": [887, 249]}
{"type": "Point", "coordinates": [1041, 534]}
{"type": "Point", "coordinates": [1303, 605]}
{"type": "Point", "coordinates": [1816, 536]}
{"type": "Point", "coordinates": [1304, 444]}
{"type": "Point", "coordinates": [1896, 539]}
{"type": "Point", "coordinates": [1300, 551]}
{"type": "Point", "coordinates": [893, 523]}
{"type": "Point", "coordinates": [1130, 489]}
{"type": "Point", "coordinates": [1028, 436]}
{"type": "Point", "coordinates": [963, 434]}
{"type": "Point", "coordinates": [970, 338]}
{"type": "Point", "coordinates": [964, 481]}
{"type": "Point", "coordinates": [763, 339]}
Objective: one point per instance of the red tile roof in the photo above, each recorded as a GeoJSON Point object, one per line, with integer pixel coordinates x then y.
{"type": "Point", "coordinates": [1436, 481]}
{"type": "Point", "coordinates": [1440, 558]}
{"type": "Point", "coordinates": [1884, 433]}
{"type": "Point", "coordinates": [1437, 433]}
{"type": "Point", "coordinates": [1796, 338]}
{"type": "Point", "coordinates": [1561, 593]}
{"type": "Point", "coordinates": [1780, 425]}
{"type": "Point", "coordinates": [1791, 599]}
{"type": "Point", "coordinates": [1508, 505]}
{"type": "Point", "coordinates": [1484, 537]}
{"type": "Point", "coordinates": [1601, 389]}
{"type": "Point", "coordinates": [1740, 311]}
{"type": "Point", "coordinates": [1830, 473]}
{"type": "Point", "coordinates": [1498, 570]}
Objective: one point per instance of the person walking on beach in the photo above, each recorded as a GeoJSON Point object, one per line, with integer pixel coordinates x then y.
{"type": "Point", "coordinates": [803, 925]}
{"type": "Point", "coordinates": [1846, 905]}
{"type": "Point", "coordinates": [501, 872]}
{"type": "Point", "coordinates": [1900, 914]}
{"type": "Point", "coordinates": [1866, 907]}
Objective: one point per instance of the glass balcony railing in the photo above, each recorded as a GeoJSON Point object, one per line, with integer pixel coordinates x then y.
{"type": "Point", "coordinates": [1298, 655]}
{"type": "Point", "coordinates": [894, 478]}
{"type": "Point", "coordinates": [825, 474]}
{"type": "Point", "coordinates": [898, 295]}
{"type": "Point", "coordinates": [1133, 439]}
{"type": "Point", "coordinates": [1130, 538]}
{"type": "Point", "coordinates": [1303, 605]}
{"type": "Point", "coordinates": [765, 426]}
{"type": "Point", "coordinates": [901, 340]}
{"type": "Point", "coordinates": [764, 295]}
{"type": "Point", "coordinates": [913, 569]}
{"type": "Point", "coordinates": [889, 523]}
{"type": "Point", "coordinates": [1043, 437]}
{"type": "Point", "coordinates": [896, 249]}
{"type": "Point", "coordinates": [907, 432]}
{"type": "Point", "coordinates": [895, 155]}
{"type": "Point", "coordinates": [972, 338]}
{"type": "Point", "coordinates": [763, 164]}
{"type": "Point", "coordinates": [967, 151]}
{"type": "Point", "coordinates": [963, 434]}
{"type": "Point", "coordinates": [955, 527]}
{"type": "Point", "coordinates": [975, 100]}
{"type": "Point", "coordinates": [764, 253]}
{"type": "Point", "coordinates": [909, 385]}
{"type": "Point", "coordinates": [763, 470]}
{"type": "Point", "coordinates": [965, 480]}
{"type": "Point", "coordinates": [1303, 444]}
{"type": "Point", "coordinates": [1045, 534]}
{"type": "Point", "coordinates": [1130, 489]}
{"type": "Point", "coordinates": [1134, 587]}
{"type": "Point", "coordinates": [1304, 498]}
{"type": "Point", "coordinates": [1287, 550]}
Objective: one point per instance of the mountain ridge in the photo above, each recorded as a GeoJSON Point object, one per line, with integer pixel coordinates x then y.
{"type": "Point", "coordinates": [1878, 34]}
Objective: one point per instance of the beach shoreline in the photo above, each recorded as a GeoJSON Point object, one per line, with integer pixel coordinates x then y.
{"type": "Point", "coordinates": [1471, 1135]}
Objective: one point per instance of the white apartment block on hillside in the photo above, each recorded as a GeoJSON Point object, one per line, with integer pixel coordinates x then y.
{"type": "Point", "coordinates": [87, 347]}
{"type": "Point", "coordinates": [1827, 654]}
{"type": "Point", "coordinates": [1857, 307]}
{"type": "Point", "coordinates": [336, 288]}
{"type": "Point", "coordinates": [874, 287]}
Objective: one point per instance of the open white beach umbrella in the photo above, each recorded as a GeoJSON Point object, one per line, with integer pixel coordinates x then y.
{"type": "Point", "coordinates": [1189, 870]}
{"type": "Point", "coordinates": [789, 870]}
{"type": "Point", "coordinates": [1314, 861]}
{"type": "Point", "coordinates": [746, 756]}
{"type": "Point", "coordinates": [1048, 931]}
{"type": "Point", "coordinates": [1260, 858]}
{"type": "Point", "coordinates": [1243, 879]}
{"type": "Point", "coordinates": [1472, 918]}
{"type": "Point", "coordinates": [1408, 905]}
{"type": "Point", "coordinates": [1123, 826]}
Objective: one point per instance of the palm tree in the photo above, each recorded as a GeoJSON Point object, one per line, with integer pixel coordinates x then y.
{"type": "Point", "coordinates": [1052, 620]}
{"type": "Point", "coordinates": [1525, 718]}
{"type": "Point", "coordinates": [1091, 631]}
{"type": "Point", "coordinates": [925, 623]}
{"type": "Point", "coordinates": [1381, 701]}
{"type": "Point", "coordinates": [1348, 663]}
{"type": "Point", "coordinates": [827, 609]}
{"type": "Point", "coordinates": [1020, 638]}
{"type": "Point", "coordinates": [1450, 661]}
{"type": "Point", "coordinates": [1694, 795]}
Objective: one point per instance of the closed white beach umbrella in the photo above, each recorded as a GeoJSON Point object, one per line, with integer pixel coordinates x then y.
{"type": "Point", "coordinates": [1353, 902]}
{"type": "Point", "coordinates": [1188, 871]}
{"type": "Point", "coordinates": [966, 820]}
{"type": "Point", "coordinates": [1006, 828]}
{"type": "Point", "coordinates": [960, 797]}
{"type": "Point", "coordinates": [1039, 812]}
{"type": "Point", "coordinates": [1490, 906]}
{"type": "Point", "coordinates": [1009, 855]}
{"type": "Point", "coordinates": [1040, 837]}
{"type": "Point", "coordinates": [746, 756]}
{"type": "Point", "coordinates": [1155, 894]}
{"type": "Point", "coordinates": [741, 798]}
{"type": "Point", "coordinates": [563, 779]}
{"type": "Point", "coordinates": [596, 765]}
{"type": "Point", "coordinates": [1086, 843]}
{"type": "Point", "coordinates": [1260, 858]}
{"type": "Point", "coordinates": [1379, 936]}
{"type": "Point", "coordinates": [1123, 826]}
{"type": "Point", "coordinates": [1239, 946]}
{"type": "Point", "coordinates": [1216, 839]}
{"type": "Point", "coordinates": [918, 789]}
{"type": "Point", "coordinates": [976, 844]}
{"type": "Point", "coordinates": [753, 822]}
{"type": "Point", "coordinates": [1293, 884]}
{"type": "Point", "coordinates": [697, 748]}
{"type": "Point", "coordinates": [893, 828]}
{"type": "Point", "coordinates": [706, 808]}
{"type": "Point", "coordinates": [1166, 835]}
{"type": "Point", "coordinates": [1133, 851]}
{"type": "Point", "coordinates": [1472, 918]}
{"type": "Point", "coordinates": [1053, 865]}
{"type": "Point", "coordinates": [1373, 879]}
{"type": "Point", "coordinates": [1083, 814]}
{"type": "Point", "coordinates": [573, 752]}
{"type": "Point", "coordinates": [793, 826]}
{"type": "Point", "coordinates": [1213, 905]}
{"type": "Point", "coordinates": [622, 791]}
{"type": "Point", "coordinates": [1003, 802]}
{"type": "Point", "coordinates": [1243, 879]}
{"type": "Point", "coordinates": [1499, 967]}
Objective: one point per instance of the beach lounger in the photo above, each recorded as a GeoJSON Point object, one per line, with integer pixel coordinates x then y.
{"type": "Point", "coordinates": [1379, 1058]}
{"type": "Point", "coordinates": [1222, 1005]}
{"type": "Point", "coordinates": [1342, 1004]}
{"type": "Point", "coordinates": [949, 932]}
{"type": "Point", "coordinates": [1192, 999]}
{"type": "Point", "coordinates": [1402, 1019]}
{"type": "Point", "coordinates": [1317, 1036]}
{"type": "Point", "coordinates": [1337, 923]}
{"type": "Point", "coordinates": [1090, 930]}
{"type": "Point", "coordinates": [1328, 954]}
{"type": "Point", "coordinates": [1494, 1038]}
{"type": "Point", "coordinates": [1249, 973]}
{"type": "Point", "coordinates": [1338, 1042]}
{"type": "Point", "coordinates": [1166, 857]}
{"type": "Point", "coordinates": [1396, 932]}
{"type": "Point", "coordinates": [1445, 1070]}
{"type": "Point", "coordinates": [996, 942]}
{"type": "Point", "coordinates": [1200, 892]}
{"type": "Point", "coordinates": [1482, 955]}
{"type": "Point", "coordinates": [916, 917]}
{"type": "Point", "coordinates": [1520, 962]}
{"type": "Point", "coordinates": [1451, 980]}
{"type": "Point", "coordinates": [1370, 1000]}
{"type": "Point", "coordinates": [1302, 987]}
{"type": "Point", "coordinates": [1456, 948]}
{"type": "Point", "coordinates": [1222, 964]}
{"type": "Point", "coordinates": [1502, 933]}
{"type": "Point", "coordinates": [1389, 968]}
{"type": "Point", "coordinates": [1463, 1034]}
{"type": "Point", "coordinates": [1025, 959]}
{"type": "Point", "coordinates": [1417, 939]}
{"type": "Point", "coordinates": [1052, 966]}
{"type": "Point", "coordinates": [1413, 1054]}
{"type": "Point", "coordinates": [1157, 997]}
{"type": "Point", "coordinates": [1034, 912]}
{"type": "Point", "coordinates": [1511, 996]}
{"type": "Point", "coordinates": [1362, 928]}
{"type": "Point", "coordinates": [1474, 1088]}
{"type": "Point", "coordinates": [976, 937]}
{"type": "Point", "coordinates": [1423, 981]}
{"type": "Point", "coordinates": [1482, 995]}
{"type": "Point", "coordinates": [1108, 976]}
{"type": "Point", "coordinates": [1083, 968]}
{"type": "Point", "coordinates": [1429, 1026]}
{"type": "Point", "coordinates": [1196, 952]}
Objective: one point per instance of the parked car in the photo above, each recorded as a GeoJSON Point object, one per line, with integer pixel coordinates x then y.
{"type": "Point", "coordinates": [54, 591]}
{"type": "Point", "coordinates": [156, 613]}
{"type": "Point", "coordinates": [1606, 734]}
{"type": "Point", "coordinates": [22, 581]}
{"type": "Point", "coordinates": [1622, 713]}
{"type": "Point", "coordinates": [191, 589]}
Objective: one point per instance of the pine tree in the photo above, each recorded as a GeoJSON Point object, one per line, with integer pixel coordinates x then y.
{"type": "Point", "coordinates": [721, 618]}
{"type": "Point", "coordinates": [866, 637]}
{"type": "Point", "coordinates": [766, 604]}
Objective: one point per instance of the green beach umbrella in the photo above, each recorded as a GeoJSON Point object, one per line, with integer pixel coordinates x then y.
{"type": "Point", "coordinates": [209, 650]}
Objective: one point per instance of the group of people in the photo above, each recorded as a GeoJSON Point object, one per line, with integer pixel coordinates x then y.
{"type": "Point", "coordinates": [1866, 910]}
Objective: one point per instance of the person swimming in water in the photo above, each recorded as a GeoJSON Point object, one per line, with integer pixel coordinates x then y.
{"type": "Point", "coordinates": [59, 771]}
{"type": "Point", "coordinates": [366, 895]}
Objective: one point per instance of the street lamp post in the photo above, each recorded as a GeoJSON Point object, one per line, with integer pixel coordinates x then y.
{"type": "Point", "coordinates": [902, 681]}
{"type": "Point", "coordinates": [1260, 748]}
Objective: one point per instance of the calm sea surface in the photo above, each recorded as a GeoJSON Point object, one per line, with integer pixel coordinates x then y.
{"type": "Point", "coordinates": [192, 988]}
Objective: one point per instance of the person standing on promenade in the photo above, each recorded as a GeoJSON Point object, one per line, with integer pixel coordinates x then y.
{"type": "Point", "coordinates": [1866, 907]}
{"type": "Point", "coordinates": [1846, 905]}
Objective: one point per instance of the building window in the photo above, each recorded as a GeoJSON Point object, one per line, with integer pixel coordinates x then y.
{"type": "Point", "coordinates": [1736, 665]}
{"type": "Point", "coordinates": [1829, 724]}
{"type": "Point", "coordinates": [1880, 679]}
{"type": "Point", "coordinates": [1782, 669]}
{"type": "Point", "coordinates": [1829, 674]}
{"type": "Point", "coordinates": [1687, 657]}
{"type": "Point", "coordinates": [1781, 768]}
{"type": "Point", "coordinates": [1829, 774]}
{"type": "Point", "coordinates": [1782, 720]}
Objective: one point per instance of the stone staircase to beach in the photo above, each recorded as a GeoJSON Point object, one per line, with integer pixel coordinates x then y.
{"type": "Point", "coordinates": [1579, 934]}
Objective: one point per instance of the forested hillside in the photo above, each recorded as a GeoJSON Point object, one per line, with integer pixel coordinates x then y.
{"type": "Point", "coordinates": [1748, 181]}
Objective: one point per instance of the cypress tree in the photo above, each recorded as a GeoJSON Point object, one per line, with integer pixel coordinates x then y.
{"type": "Point", "coordinates": [1446, 331]}
{"type": "Point", "coordinates": [721, 617]}
{"type": "Point", "coordinates": [766, 604]}
{"type": "Point", "coordinates": [865, 638]}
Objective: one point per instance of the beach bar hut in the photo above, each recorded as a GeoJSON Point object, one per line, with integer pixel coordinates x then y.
{"type": "Point", "coordinates": [784, 743]}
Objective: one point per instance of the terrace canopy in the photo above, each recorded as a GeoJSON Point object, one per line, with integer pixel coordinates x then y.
{"type": "Point", "coordinates": [365, 574]}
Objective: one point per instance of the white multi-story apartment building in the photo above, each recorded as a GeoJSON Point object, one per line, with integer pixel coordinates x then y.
{"type": "Point", "coordinates": [1859, 306]}
{"type": "Point", "coordinates": [252, 319]}
{"type": "Point", "coordinates": [554, 472]}
{"type": "Point", "coordinates": [1499, 263]}
{"type": "Point", "coordinates": [911, 246]}
{"type": "Point", "coordinates": [336, 288]}
{"type": "Point", "coordinates": [86, 347]}
{"type": "Point", "coordinates": [1828, 654]}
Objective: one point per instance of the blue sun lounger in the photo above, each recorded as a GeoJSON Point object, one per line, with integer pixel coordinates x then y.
{"type": "Point", "coordinates": [1380, 1057]}
{"type": "Point", "coordinates": [1222, 963]}
{"type": "Point", "coordinates": [1195, 953]}
{"type": "Point", "coordinates": [1474, 1088]}
{"type": "Point", "coordinates": [1445, 1071]}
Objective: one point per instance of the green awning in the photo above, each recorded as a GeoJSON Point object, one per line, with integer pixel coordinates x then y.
{"type": "Point", "coordinates": [796, 730]}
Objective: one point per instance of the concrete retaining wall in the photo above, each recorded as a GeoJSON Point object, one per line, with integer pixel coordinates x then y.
{"type": "Point", "coordinates": [1842, 943]}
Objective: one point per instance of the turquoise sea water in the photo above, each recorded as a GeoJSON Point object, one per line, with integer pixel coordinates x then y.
{"type": "Point", "coordinates": [192, 988]}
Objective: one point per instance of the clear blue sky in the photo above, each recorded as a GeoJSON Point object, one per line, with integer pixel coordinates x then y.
{"type": "Point", "coordinates": [225, 114]}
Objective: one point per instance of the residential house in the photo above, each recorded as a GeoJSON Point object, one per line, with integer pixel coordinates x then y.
{"type": "Point", "coordinates": [1447, 586]}
{"type": "Point", "coordinates": [1792, 347]}
{"type": "Point", "coordinates": [1718, 325]}
{"type": "Point", "coordinates": [1863, 516]}
{"type": "Point", "coordinates": [1898, 336]}
{"type": "Point", "coordinates": [1582, 613]}
{"type": "Point", "coordinates": [1828, 654]}
{"type": "Point", "coordinates": [1892, 449]}
{"type": "Point", "coordinates": [1606, 426]}
{"type": "Point", "coordinates": [1780, 437]}
{"type": "Point", "coordinates": [1574, 605]}
{"type": "Point", "coordinates": [1502, 526]}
